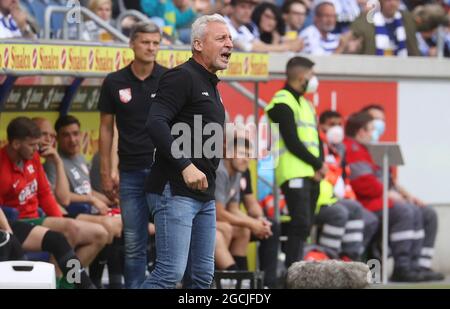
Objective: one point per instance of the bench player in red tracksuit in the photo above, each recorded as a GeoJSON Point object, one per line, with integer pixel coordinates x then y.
{"type": "Point", "coordinates": [24, 186]}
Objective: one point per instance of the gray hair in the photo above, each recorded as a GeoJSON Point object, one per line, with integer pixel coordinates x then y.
{"type": "Point", "coordinates": [199, 26]}
{"type": "Point", "coordinates": [143, 27]}
{"type": "Point", "coordinates": [320, 3]}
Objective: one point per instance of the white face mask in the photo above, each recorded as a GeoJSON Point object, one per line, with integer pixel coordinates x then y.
{"type": "Point", "coordinates": [335, 135]}
{"type": "Point", "coordinates": [380, 126]}
{"type": "Point", "coordinates": [312, 86]}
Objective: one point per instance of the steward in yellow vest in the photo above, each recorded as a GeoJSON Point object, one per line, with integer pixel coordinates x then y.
{"type": "Point", "coordinates": [299, 166]}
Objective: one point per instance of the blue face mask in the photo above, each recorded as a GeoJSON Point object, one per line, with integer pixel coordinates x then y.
{"type": "Point", "coordinates": [375, 136]}
{"type": "Point", "coordinates": [379, 126]}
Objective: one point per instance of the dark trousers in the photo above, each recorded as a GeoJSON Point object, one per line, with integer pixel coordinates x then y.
{"type": "Point", "coordinates": [412, 232]}
{"type": "Point", "coordinates": [268, 255]}
{"type": "Point", "coordinates": [301, 197]}
{"type": "Point", "coordinates": [425, 228]}
{"type": "Point", "coordinates": [401, 233]}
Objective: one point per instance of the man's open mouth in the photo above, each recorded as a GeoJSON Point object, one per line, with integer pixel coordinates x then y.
{"type": "Point", "coordinates": [225, 56]}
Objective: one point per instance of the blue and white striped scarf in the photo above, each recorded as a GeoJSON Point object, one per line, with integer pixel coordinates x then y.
{"type": "Point", "coordinates": [8, 22]}
{"type": "Point", "coordinates": [382, 41]}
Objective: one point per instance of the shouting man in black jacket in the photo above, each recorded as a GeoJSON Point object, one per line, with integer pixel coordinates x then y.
{"type": "Point", "coordinates": [181, 183]}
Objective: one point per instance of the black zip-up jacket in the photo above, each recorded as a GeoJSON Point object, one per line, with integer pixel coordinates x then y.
{"type": "Point", "coordinates": [185, 94]}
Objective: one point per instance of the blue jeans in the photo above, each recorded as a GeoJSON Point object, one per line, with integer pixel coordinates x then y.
{"type": "Point", "coordinates": [185, 240]}
{"type": "Point", "coordinates": [135, 218]}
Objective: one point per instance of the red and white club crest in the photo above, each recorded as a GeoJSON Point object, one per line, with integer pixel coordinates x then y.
{"type": "Point", "coordinates": [125, 95]}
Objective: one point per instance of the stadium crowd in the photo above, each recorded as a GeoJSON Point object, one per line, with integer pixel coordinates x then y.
{"type": "Point", "coordinates": [317, 27]}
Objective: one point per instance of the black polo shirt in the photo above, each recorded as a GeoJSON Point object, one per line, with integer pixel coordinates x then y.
{"type": "Point", "coordinates": [128, 98]}
{"type": "Point", "coordinates": [185, 93]}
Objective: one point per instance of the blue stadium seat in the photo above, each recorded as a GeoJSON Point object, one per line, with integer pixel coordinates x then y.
{"type": "Point", "coordinates": [42, 256]}
{"type": "Point", "coordinates": [75, 209]}
{"type": "Point", "coordinates": [37, 9]}
{"type": "Point", "coordinates": [11, 214]}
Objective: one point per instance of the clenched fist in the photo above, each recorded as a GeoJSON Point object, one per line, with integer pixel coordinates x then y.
{"type": "Point", "coordinates": [194, 178]}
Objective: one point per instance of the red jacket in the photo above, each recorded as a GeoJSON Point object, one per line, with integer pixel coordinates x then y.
{"type": "Point", "coordinates": [366, 185]}
{"type": "Point", "coordinates": [26, 189]}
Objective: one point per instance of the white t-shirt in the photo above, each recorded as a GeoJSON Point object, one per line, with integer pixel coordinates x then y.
{"type": "Point", "coordinates": [242, 37]}
{"type": "Point", "coordinates": [8, 27]}
{"type": "Point", "coordinates": [315, 44]}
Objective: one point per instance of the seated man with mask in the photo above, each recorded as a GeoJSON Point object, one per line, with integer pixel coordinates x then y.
{"type": "Point", "coordinates": [399, 194]}
{"type": "Point", "coordinates": [346, 228]}
{"type": "Point", "coordinates": [406, 225]}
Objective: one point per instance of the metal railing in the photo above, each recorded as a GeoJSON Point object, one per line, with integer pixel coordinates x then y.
{"type": "Point", "coordinates": [440, 41]}
{"type": "Point", "coordinates": [139, 15]}
{"type": "Point", "coordinates": [84, 12]}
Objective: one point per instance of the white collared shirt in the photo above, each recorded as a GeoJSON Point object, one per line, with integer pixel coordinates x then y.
{"type": "Point", "coordinates": [315, 44]}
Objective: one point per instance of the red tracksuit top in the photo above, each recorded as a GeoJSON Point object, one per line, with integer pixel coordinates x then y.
{"type": "Point", "coordinates": [26, 189]}
{"type": "Point", "coordinates": [367, 187]}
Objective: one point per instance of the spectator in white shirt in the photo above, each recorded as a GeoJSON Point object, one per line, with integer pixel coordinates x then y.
{"type": "Point", "coordinates": [14, 21]}
{"type": "Point", "coordinates": [318, 38]}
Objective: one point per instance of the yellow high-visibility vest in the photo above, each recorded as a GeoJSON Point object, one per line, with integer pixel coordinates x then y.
{"type": "Point", "coordinates": [287, 165]}
{"type": "Point", "coordinates": [326, 196]}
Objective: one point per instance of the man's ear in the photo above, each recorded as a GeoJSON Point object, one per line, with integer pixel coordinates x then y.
{"type": "Point", "coordinates": [131, 43]}
{"type": "Point", "coordinates": [301, 79]}
{"type": "Point", "coordinates": [198, 45]}
{"type": "Point", "coordinates": [15, 144]}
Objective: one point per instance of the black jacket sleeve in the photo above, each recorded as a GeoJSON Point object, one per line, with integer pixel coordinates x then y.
{"type": "Point", "coordinates": [173, 93]}
{"type": "Point", "coordinates": [282, 114]}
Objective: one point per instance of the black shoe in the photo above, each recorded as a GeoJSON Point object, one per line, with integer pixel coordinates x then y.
{"type": "Point", "coordinates": [430, 275]}
{"type": "Point", "coordinates": [407, 275]}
